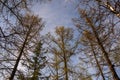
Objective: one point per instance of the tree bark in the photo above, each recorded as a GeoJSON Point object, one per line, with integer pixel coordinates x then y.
{"type": "Point", "coordinates": [65, 59]}
{"type": "Point", "coordinates": [65, 68]}
{"type": "Point", "coordinates": [17, 62]}
{"type": "Point", "coordinates": [99, 67]}
{"type": "Point", "coordinates": [105, 54]}
{"type": "Point", "coordinates": [20, 54]}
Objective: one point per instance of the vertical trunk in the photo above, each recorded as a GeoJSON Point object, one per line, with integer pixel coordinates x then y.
{"type": "Point", "coordinates": [17, 62]}
{"type": "Point", "coordinates": [35, 73]}
{"type": "Point", "coordinates": [57, 74]}
{"type": "Point", "coordinates": [105, 54]}
{"type": "Point", "coordinates": [99, 67]}
{"type": "Point", "coordinates": [65, 59]}
{"type": "Point", "coordinates": [20, 54]}
{"type": "Point", "coordinates": [110, 65]}
{"type": "Point", "coordinates": [96, 60]}
{"type": "Point", "coordinates": [56, 67]}
{"type": "Point", "coordinates": [65, 68]}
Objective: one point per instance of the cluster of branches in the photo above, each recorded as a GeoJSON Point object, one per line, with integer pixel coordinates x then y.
{"type": "Point", "coordinates": [20, 41]}
{"type": "Point", "coordinates": [98, 26]}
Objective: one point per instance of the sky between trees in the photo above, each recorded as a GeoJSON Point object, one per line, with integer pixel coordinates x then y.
{"type": "Point", "coordinates": [59, 40]}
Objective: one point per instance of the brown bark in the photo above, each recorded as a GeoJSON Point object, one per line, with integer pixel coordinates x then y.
{"type": "Point", "coordinates": [105, 54]}
{"type": "Point", "coordinates": [56, 65]}
{"type": "Point", "coordinates": [65, 59]}
{"type": "Point", "coordinates": [94, 54]}
{"type": "Point", "coordinates": [65, 68]}
{"type": "Point", "coordinates": [99, 67]}
{"type": "Point", "coordinates": [20, 55]}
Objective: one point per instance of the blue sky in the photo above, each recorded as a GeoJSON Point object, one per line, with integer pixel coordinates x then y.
{"type": "Point", "coordinates": [56, 13]}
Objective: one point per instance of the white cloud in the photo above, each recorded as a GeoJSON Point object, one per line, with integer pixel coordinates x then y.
{"type": "Point", "coordinates": [55, 13]}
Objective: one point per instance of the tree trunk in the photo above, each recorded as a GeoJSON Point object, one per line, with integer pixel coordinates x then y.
{"type": "Point", "coordinates": [17, 62]}
{"type": "Point", "coordinates": [20, 54]}
{"type": "Point", "coordinates": [99, 67]}
{"type": "Point", "coordinates": [65, 68]}
{"type": "Point", "coordinates": [65, 60]}
{"type": "Point", "coordinates": [105, 54]}
{"type": "Point", "coordinates": [57, 78]}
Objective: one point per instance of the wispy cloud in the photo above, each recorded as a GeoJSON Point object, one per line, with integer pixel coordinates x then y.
{"type": "Point", "coordinates": [56, 13]}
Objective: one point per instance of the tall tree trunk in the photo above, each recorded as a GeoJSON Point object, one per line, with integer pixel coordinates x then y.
{"type": "Point", "coordinates": [105, 54]}
{"type": "Point", "coordinates": [65, 59]}
{"type": "Point", "coordinates": [20, 54]}
{"type": "Point", "coordinates": [65, 68]}
{"type": "Point", "coordinates": [98, 65]}
{"type": "Point", "coordinates": [17, 62]}
{"type": "Point", "coordinates": [56, 58]}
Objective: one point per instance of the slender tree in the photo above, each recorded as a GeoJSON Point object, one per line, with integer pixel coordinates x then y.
{"type": "Point", "coordinates": [87, 37]}
{"type": "Point", "coordinates": [94, 24]}
{"type": "Point", "coordinates": [64, 46]}
{"type": "Point", "coordinates": [30, 28]}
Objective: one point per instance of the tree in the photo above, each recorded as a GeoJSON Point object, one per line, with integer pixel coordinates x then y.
{"type": "Point", "coordinates": [34, 64]}
{"type": "Point", "coordinates": [105, 53]}
{"type": "Point", "coordinates": [63, 46]}
{"type": "Point", "coordinates": [95, 26]}
{"type": "Point", "coordinates": [38, 62]}
{"type": "Point", "coordinates": [12, 13]}
{"type": "Point", "coordinates": [88, 38]}
{"type": "Point", "coordinates": [26, 32]}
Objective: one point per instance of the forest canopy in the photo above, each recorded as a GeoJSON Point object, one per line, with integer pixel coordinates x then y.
{"type": "Point", "coordinates": [59, 39]}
